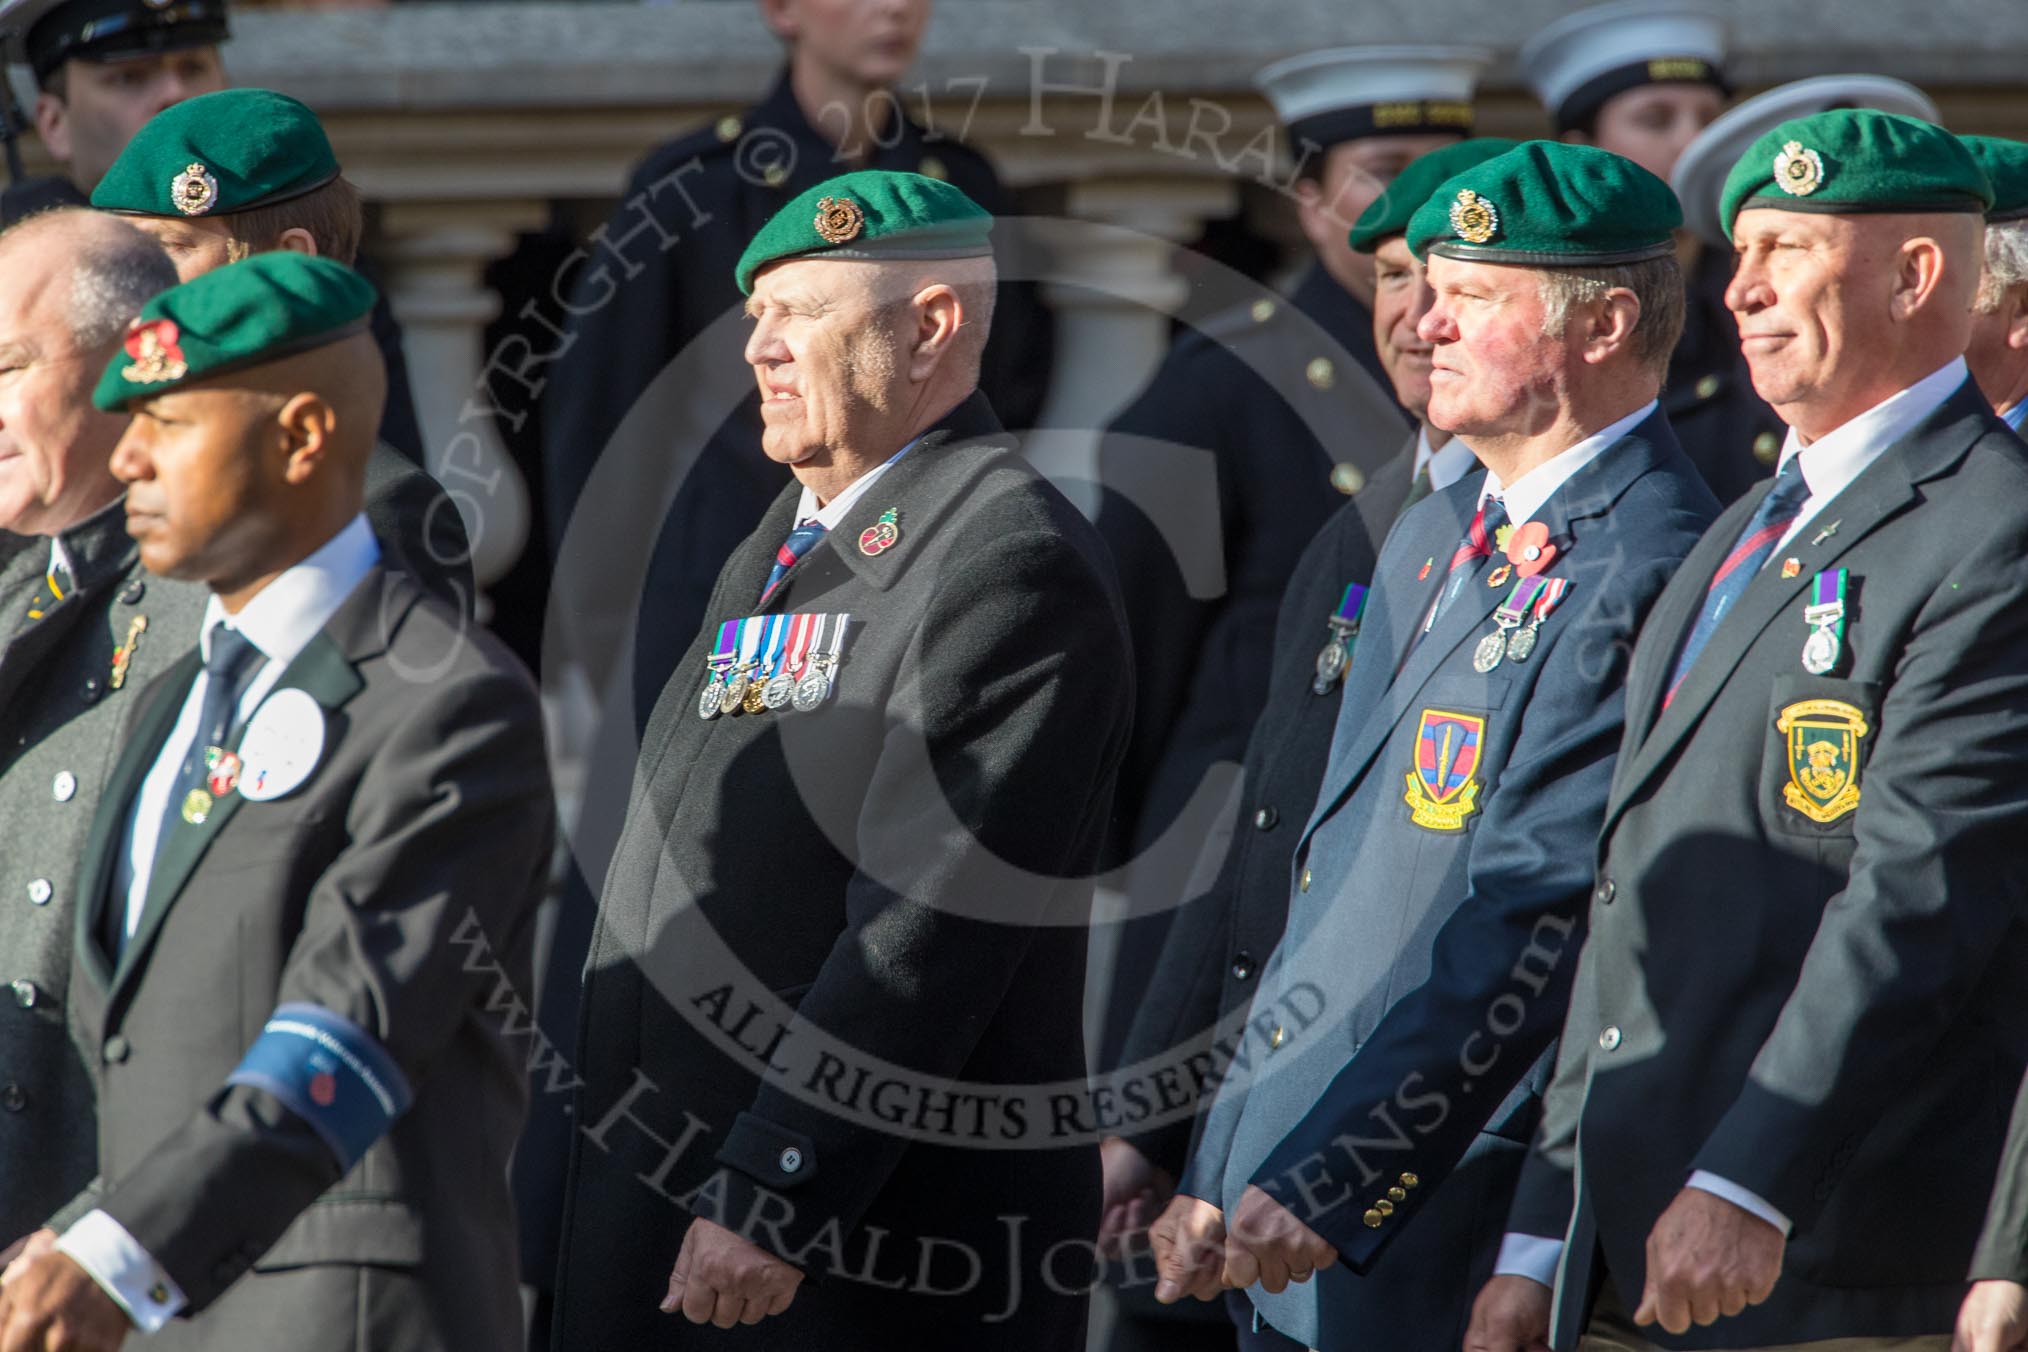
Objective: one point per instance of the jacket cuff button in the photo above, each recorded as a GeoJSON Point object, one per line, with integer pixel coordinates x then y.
{"type": "Point", "coordinates": [791, 1160]}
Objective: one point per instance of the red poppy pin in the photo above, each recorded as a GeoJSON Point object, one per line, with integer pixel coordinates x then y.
{"type": "Point", "coordinates": [1529, 550]}
{"type": "Point", "coordinates": [157, 358]}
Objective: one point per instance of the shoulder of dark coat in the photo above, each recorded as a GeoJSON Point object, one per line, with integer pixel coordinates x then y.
{"type": "Point", "coordinates": [1008, 499]}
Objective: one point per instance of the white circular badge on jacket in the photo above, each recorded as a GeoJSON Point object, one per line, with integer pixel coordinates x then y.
{"type": "Point", "coordinates": [283, 740]}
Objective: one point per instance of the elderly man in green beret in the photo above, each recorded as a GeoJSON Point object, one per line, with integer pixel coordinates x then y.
{"type": "Point", "coordinates": [840, 958]}
{"type": "Point", "coordinates": [1998, 354]}
{"type": "Point", "coordinates": [323, 815]}
{"type": "Point", "coordinates": [1797, 1029]}
{"type": "Point", "coordinates": [1396, 1048]}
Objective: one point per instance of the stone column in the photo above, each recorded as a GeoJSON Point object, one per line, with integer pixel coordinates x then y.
{"type": "Point", "coordinates": [1113, 284]}
{"type": "Point", "coordinates": [434, 256]}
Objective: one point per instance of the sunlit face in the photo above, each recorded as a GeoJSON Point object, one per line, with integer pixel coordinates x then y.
{"type": "Point", "coordinates": [1802, 290]}
{"type": "Point", "coordinates": [201, 468]}
{"type": "Point", "coordinates": [870, 42]}
{"type": "Point", "coordinates": [1493, 371]}
{"type": "Point", "coordinates": [105, 102]}
{"type": "Point", "coordinates": [1992, 355]}
{"type": "Point", "coordinates": [1652, 124]}
{"type": "Point", "coordinates": [1353, 175]}
{"type": "Point", "coordinates": [53, 443]}
{"type": "Point", "coordinates": [1401, 297]}
{"type": "Point", "coordinates": [194, 246]}
{"type": "Point", "coordinates": [828, 358]}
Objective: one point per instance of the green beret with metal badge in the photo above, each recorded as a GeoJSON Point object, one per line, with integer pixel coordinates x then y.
{"type": "Point", "coordinates": [1855, 161]}
{"type": "Point", "coordinates": [268, 307]}
{"type": "Point", "coordinates": [1390, 212]}
{"type": "Point", "coordinates": [1548, 204]}
{"type": "Point", "coordinates": [2005, 163]}
{"type": "Point", "coordinates": [871, 214]}
{"type": "Point", "coordinates": [218, 154]}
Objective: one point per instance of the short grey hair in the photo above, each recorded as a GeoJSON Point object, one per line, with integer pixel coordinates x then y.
{"type": "Point", "coordinates": [1657, 283]}
{"type": "Point", "coordinates": [113, 275]}
{"type": "Point", "coordinates": [2006, 264]}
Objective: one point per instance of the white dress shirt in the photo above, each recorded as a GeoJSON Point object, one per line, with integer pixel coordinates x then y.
{"type": "Point", "coordinates": [1447, 463]}
{"type": "Point", "coordinates": [2014, 416]}
{"type": "Point", "coordinates": [832, 512]}
{"type": "Point", "coordinates": [280, 620]}
{"type": "Point", "coordinates": [1834, 460]}
{"type": "Point", "coordinates": [1829, 465]}
{"type": "Point", "coordinates": [1524, 497]}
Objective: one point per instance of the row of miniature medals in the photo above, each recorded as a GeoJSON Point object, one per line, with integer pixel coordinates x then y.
{"type": "Point", "coordinates": [771, 662]}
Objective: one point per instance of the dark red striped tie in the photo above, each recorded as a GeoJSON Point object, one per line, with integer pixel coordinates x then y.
{"type": "Point", "coordinates": [798, 544]}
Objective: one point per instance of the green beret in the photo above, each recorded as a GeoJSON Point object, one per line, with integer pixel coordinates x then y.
{"type": "Point", "coordinates": [270, 306]}
{"type": "Point", "coordinates": [1390, 212]}
{"type": "Point", "coordinates": [1548, 204]}
{"type": "Point", "coordinates": [2005, 164]}
{"type": "Point", "coordinates": [871, 214]}
{"type": "Point", "coordinates": [1855, 161]}
{"type": "Point", "coordinates": [218, 154]}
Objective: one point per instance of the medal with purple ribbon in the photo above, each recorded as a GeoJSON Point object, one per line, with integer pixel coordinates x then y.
{"type": "Point", "coordinates": [1336, 655]}
{"type": "Point", "coordinates": [1521, 643]}
{"type": "Point", "coordinates": [718, 664]}
{"type": "Point", "coordinates": [1493, 647]}
{"type": "Point", "coordinates": [1825, 614]}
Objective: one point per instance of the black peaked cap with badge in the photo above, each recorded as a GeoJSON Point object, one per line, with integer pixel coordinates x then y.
{"type": "Point", "coordinates": [43, 34]}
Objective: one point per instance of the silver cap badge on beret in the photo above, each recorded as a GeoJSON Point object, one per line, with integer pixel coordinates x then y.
{"type": "Point", "coordinates": [1798, 171]}
{"type": "Point", "coordinates": [194, 191]}
{"type": "Point", "coordinates": [1473, 218]}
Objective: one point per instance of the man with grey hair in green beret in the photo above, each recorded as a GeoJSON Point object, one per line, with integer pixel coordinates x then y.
{"type": "Point", "coordinates": [1396, 1050]}
{"type": "Point", "coordinates": [1798, 1028]}
{"type": "Point", "coordinates": [1998, 354]}
{"type": "Point", "coordinates": [839, 962]}
{"type": "Point", "coordinates": [325, 814]}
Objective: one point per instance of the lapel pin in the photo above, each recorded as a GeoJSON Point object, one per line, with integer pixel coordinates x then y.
{"type": "Point", "coordinates": [123, 656]}
{"type": "Point", "coordinates": [1792, 568]}
{"type": "Point", "coordinates": [882, 535]}
{"type": "Point", "coordinates": [1498, 577]}
{"type": "Point", "coordinates": [1427, 564]}
{"type": "Point", "coordinates": [1828, 531]}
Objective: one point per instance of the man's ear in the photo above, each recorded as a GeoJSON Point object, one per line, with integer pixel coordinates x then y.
{"type": "Point", "coordinates": [781, 18]}
{"type": "Point", "coordinates": [308, 425]}
{"type": "Point", "coordinates": [2016, 304]}
{"type": "Point", "coordinates": [52, 124]}
{"type": "Point", "coordinates": [940, 314]}
{"type": "Point", "coordinates": [297, 240]}
{"type": "Point", "coordinates": [1918, 272]}
{"type": "Point", "coordinates": [1612, 324]}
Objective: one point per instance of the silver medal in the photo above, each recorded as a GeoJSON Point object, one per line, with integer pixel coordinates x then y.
{"type": "Point", "coordinates": [1820, 653]}
{"type": "Point", "coordinates": [1521, 643]}
{"type": "Point", "coordinates": [707, 702]}
{"type": "Point", "coordinates": [778, 691]}
{"type": "Point", "coordinates": [1491, 649]}
{"type": "Point", "coordinates": [1331, 664]}
{"type": "Point", "coordinates": [812, 691]}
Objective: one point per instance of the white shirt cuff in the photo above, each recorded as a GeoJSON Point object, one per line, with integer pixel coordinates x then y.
{"type": "Point", "coordinates": [123, 1269]}
{"type": "Point", "coordinates": [1529, 1256]}
{"type": "Point", "coordinates": [1739, 1197]}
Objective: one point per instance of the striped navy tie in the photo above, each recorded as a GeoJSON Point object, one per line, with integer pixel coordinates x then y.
{"type": "Point", "coordinates": [1770, 522]}
{"type": "Point", "coordinates": [798, 544]}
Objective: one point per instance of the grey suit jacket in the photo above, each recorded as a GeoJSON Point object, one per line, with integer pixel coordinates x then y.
{"type": "Point", "coordinates": [63, 707]}
{"type": "Point", "coordinates": [389, 888]}
{"type": "Point", "coordinates": [1435, 905]}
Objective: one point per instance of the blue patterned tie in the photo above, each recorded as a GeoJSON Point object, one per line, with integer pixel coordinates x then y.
{"type": "Point", "coordinates": [798, 544]}
{"type": "Point", "coordinates": [1770, 522]}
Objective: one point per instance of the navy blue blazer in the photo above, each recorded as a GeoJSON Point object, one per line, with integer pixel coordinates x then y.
{"type": "Point", "coordinates": [1437, 901]}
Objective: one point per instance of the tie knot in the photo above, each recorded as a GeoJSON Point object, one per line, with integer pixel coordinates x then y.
{"type": "Point", "coordinates": [1790, 489]}
{"type": "Point", "coordinates": [231, 653]}
{"type": "Point", "coordinates": [802, 537]}
{"type": "Point", "coordinates": [1496, 516]}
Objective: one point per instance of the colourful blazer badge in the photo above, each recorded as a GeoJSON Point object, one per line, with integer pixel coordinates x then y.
{"type": "Point", "coordinates": [1442, 789]}
{"type": "Point", "coordinates": [1823, 754]}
